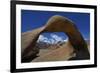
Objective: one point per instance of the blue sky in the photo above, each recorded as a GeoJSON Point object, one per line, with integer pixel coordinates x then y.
{"type": "Point", "coordinates": [31, 19]}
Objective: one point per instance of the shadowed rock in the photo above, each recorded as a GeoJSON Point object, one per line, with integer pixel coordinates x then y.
{"type": "Point", "coordinates": [55, 24]}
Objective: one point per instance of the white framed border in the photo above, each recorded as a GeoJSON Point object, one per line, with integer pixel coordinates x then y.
{"type": "Point", "coordinates": [51, 64]}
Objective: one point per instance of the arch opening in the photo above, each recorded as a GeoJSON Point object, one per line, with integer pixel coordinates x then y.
{"type": "Point", "coordinates": [52, 37]}
{"type": "Point", "coordinates": [51, 40]}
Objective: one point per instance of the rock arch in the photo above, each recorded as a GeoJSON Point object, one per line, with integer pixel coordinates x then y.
{"type": "Point", "coordinates": [55, 24]}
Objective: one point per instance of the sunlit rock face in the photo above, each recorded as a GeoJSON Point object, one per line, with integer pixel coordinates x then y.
{"type": "Point", "coordinates": [55, 24]}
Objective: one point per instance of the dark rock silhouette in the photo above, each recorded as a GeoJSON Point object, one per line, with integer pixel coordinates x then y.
{"type": "Point", "coordinates": [55, 24]}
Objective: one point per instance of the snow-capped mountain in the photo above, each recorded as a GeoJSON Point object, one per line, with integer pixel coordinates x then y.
{"type": "Point", "coordinates": [53, 39]}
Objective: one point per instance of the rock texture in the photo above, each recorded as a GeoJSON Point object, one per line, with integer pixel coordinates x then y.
{"type": "Point", "coordinates": [63, 53]}
{"type": "Point", "coordinates": [55, 24]}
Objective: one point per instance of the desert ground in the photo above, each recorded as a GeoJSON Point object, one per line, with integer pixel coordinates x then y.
{"type": "Point", "coordinates": [63, 53]}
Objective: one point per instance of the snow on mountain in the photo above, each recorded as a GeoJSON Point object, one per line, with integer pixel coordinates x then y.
{"type": "Point", "coordinates": [53, 39]}
{"type": "Point", "coordinates": [42, 38]}
{"type": "Point", "coordinates": [56, 37]}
